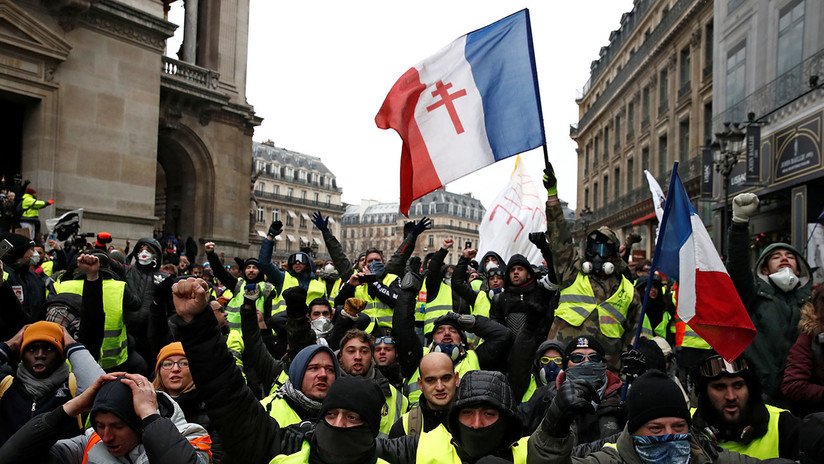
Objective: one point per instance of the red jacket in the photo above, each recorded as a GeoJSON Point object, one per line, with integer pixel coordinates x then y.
{"type": "Point", "coordinates": [803, 376]}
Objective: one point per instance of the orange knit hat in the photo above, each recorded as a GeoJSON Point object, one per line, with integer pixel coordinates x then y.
{"type": "Point", "coordinates": [172, 349]}
{"type": "Point", "coordinates": [43, 331]}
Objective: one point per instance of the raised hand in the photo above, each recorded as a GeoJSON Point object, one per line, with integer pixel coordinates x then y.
{"type": "Point", "coordinates": [550, 181]}
{"type": "Point", "coordinates": [209, 247]}
{"type": "Point", "coordinates": [190, 297]}
{"type": "Point", "coordinates": [422, 225]}
{"type": "Point", "coordinates": [275, 229]}
{"type": "Point", "coordinates": [320, 222]}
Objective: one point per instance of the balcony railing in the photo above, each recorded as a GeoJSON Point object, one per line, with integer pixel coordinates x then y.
{"type": "Point", "coordinates": [780, 91]}
{"type": "Point", "coordinates": [191, 74]}
{"type": "Point", "coordinates": [299, 201]}
{"type": "Point", "coordinates": [272, 175]}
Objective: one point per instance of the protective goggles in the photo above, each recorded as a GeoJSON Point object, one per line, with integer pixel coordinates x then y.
{"type": "Point", "coordinates": [385, 340]}
{"type": "Point", "coordinates": [497, 271]}
{"type": "Point", "coordinates": [716, 365]}
{"type": "Point", "coordinates": [603, 250]}
{"type": "Point", "coordinates": [548, 359]}
{"type": "Point", "coordinates": [580, 357]}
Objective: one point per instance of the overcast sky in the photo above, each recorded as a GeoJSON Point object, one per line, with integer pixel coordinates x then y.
{"type": "Point", "coordinates": [318, 72]}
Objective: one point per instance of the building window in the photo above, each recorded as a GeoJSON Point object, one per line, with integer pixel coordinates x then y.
{"type": "Point", "coordinates": [328, 199]}
{"type": "Point", "coordinates": [616, 180]}
{"type": "Point", "coordinates": [663, 90]}
{"type": "Point", "coordinates": [630, 119]}
{"type": "Point", "coordinates": [606, 190]}
{"type": "Point", "coordinates": [586, 160]}
{"type": "Point", "coordinates": [684, 140]}
{"type": "Point", "coordinates": [617, 129]}
{"type": "Point", "coordinates": [790, 50]}
{"type": "Point", "coordinates": [685, 69]}
{"type": "Point", "coordinates": [595, 145]}
{"type": "Point", "coordinates": [630, 174]}
{"type": "Point", "coordinates": [586, 197]}
{"type": "Point", "coordinates": [736, 77]}
{"type": "Point", "coordinates": [259, 215]}
{"type": "Point", "coordinates": [708, 123]}
{"type": "Point", "coordinates": [431, 241]}
{"type": "Point", "coordinates": [645, 106]}
{"type": "Point", "coordinates": [302, 221]}
{"type": "Point", "coordinates": [708, 37]}
{"type": "Point", "coordinates": [606, 143]}
{"type": "Point", "coordinates": [275, 215]}
{"type": "Point", "coordinates": [663, 157]}
{"type": "Point", "coordinates": [290, 220]}
{"type": "Point", "coordinates": [432, 208]}
{"type": "Point", "coordinates": [595, 196]}
{"type": "Point", "coordinates": [276, 189]}
{"type": "Point", "coordinates": [317, 197]}
{"type": "Point", "coordinates": [259, 187]}
{"type": "Point", "coordinates": [289, 192]}
{"type": "Point", "coordinates": [645, 158]}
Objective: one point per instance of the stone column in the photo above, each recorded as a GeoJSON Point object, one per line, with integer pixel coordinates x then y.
{"type": "Point", "coordinates": [190, 31]}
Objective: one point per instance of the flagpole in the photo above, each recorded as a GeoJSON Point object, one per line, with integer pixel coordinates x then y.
{"type": "Point", "coordinates": [546, 155]}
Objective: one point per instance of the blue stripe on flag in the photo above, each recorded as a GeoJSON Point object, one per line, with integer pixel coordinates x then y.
{"type": "Point", "coordinates": [501, 61]}
{"type": "Point", "coordinates": [678, 229]}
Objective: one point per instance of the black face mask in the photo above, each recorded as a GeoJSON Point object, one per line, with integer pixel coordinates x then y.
{"type": "Point", "coordinates": [343, 445]}
{"type": "Point", "coordinates": [477, 443]}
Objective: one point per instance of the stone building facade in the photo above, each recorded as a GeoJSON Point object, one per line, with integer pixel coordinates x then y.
{"type": "Point", "coordinates": [289, 187]}
{"type": "Point", "coordinates": [648, 103]}
{"type": "Point", "coordinates": [380, 225]}
{"type": "Point", "coordinates": [100, 119]}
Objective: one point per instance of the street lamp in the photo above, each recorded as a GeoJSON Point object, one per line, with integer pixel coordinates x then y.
{"type": "Point", "coordinates": [726, 148]}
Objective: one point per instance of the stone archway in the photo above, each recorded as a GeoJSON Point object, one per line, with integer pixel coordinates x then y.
{"type": "Point", "coordinates": [184, 198]}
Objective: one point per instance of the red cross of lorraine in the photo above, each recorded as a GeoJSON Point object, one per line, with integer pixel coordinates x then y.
{"type": "Point", "coordinates": [442, 90]}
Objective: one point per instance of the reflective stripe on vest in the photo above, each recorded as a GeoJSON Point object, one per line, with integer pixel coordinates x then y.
{"type": "Point", "coordinates": [440, 306]}
{"type": "Point", "coordinates": [577, 302]}
{"type": "Point", "coordinates": [685, 337]}
{"type": "Point", "coordinates": [765, 447]}
{"type": "Point", "coordinates": [335, 289]}
{"type": "Point", "coordinates": [317, 289]}
{"type": "Point", "coordinates": [114, 349]}
{"type": "Point", "coordinates": [375, 308]}
{"type": "Point", "coordinates": [396, 405]}
{"type": "Point", "coordinates": [234, 305]}
{"type": "Point", "coordinates": [467, 364]}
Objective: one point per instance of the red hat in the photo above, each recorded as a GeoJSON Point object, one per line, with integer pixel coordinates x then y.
{"type": "Point", "coordinates": [31, 191]}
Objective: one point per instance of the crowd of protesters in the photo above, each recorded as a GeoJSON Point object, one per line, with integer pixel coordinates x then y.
{"type": "Point", "coordinates": [169, 352]}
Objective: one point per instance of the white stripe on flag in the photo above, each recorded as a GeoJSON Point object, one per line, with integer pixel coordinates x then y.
{"type": "Point", "coordinates": [686, 279]}
{"type": "Point", "coordinates": [454, 155]}
{"type": "Point", "coordinates": [706, 257]}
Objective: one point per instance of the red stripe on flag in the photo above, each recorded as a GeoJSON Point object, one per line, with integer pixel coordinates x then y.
{"type": "Point", "coordinates": [720, 317]}
{"type": "Point", "coordinates": [418, 175]}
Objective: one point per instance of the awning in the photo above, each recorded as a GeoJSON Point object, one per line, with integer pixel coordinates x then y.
{"type": "Point", "coordinates": [644, 219]}
{"type": "Point", "coordinates": [331, 220]}
{"type": "Point", "coordinates": [304, 240]}
{"type": "Point", "coordinates": [289, 237]}
{"type": "Point", "coordinates": [315, 241]}
{"type": "Point", "coordinates": [304, 216]}
{"type": "Point", "coordinates": [291, 214]}
{"type": "Point", "coordinates": [278, 238]}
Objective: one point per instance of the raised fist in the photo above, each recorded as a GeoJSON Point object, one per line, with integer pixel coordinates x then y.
{"type": "Point", "coordinates": [744, 205]}
{"type": "Point", "coordinates": [209, 247]}
{"type": "Point", "coordinates": [190, 297]}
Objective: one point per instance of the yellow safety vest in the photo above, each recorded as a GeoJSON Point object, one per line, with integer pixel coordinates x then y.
{"type": "Point", "coordinates": [280, 410]}
{"type": "Point", "coordinates": [375, 308]}
{"type": "Point", "coordinates": [335, 289]}
{"type": "Point", "coordinates": [440, 306]}
{"type": "Point", "coordinates": [420, 305]}
{"type": "Point", "coordinates": [467, 364]}
{"type": "Point", "coordinates": [577, 302]}
{"type": "Point", "coordinates": [660, 330]}
{"type": "Point", "coordinates": [476, 284]}
{"type": "Point", "coordinates": [435, 447]}
{"type": "Point", "coordinates": [396, 406]}
{"type": "Point", "coordinates": [482, 305]}
{"type": "Point", "coordinates": [762, 448]}
{"type": "Point", "coordinates": [114, 349]}
{"type": "Point", "coordinates": [31, 206]}
{"type": "Point", "coordinates": [302, 456]}
{"type": "Point", "coordinates": [317, 289]}
{"type": "Point", "coordinates": [48, 268]}
{"type": "Point", "coordinates": [530, 390]}
{"type": "Point", "coordinates": [234, 305]}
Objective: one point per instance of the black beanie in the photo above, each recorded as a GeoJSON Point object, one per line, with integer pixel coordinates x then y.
{"type": "Point", "coordinates": [19, 245]}
{"type": "Point", "coordinates": [116, 397]}
{"type": "Point", "coordinates": [356, 394]}
{"type": "Point", "coordinates": [584, 341]}
{"type": "Point", "coordinates": [654, 395]}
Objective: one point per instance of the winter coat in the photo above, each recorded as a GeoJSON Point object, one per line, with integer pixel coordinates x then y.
{"type": "Point", "coordinates": [804, 374]}
{"type": "Point", "coordinates": [33, 288]}
{"type": "Point", "coordinates": [513, 306]}
{"type": "Point", "coordinates": [141, 281]}
{"type": "Point", "coordinates": [775, 313]}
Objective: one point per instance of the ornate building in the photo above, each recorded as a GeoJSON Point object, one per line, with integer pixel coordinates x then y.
{"type": "Point", "coordinates": [290, 186]}
{"type": "Point", "coordinates": [98, 118]}
{"type": "Point", "coordinates": [648, 103]}
{"type": "Point", "coordinates": [380, 225]}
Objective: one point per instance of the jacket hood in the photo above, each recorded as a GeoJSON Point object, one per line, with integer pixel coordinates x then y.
{"type": "Point", "coordinates": [481, 264]}
{"type": "Point", "coordinates": [309, 270]}
{"type": "Point", "coordinates": [115, 397]}
{"type": "Point", "coordinates": [811, 322]}
{"type": "Point", "coordinates": [804, 271]}
{"type": "Point", "coordinates": [547, 344]}
{"type": "Point", "coordinates": [298, 367]}
{"type": "Point", "coordinates": [154, 245]}
{"type": "Point", "coordinates": [488, 388]}
{"type": "Point", "coordinates": [517, 260]}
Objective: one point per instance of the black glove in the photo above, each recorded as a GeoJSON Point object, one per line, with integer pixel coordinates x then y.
{"type": "Point", "coordinates": [294, 436]}
{"type": "Point", "coordinates": [539, 240]}
{"type": "Point", "coordinates": [420, 226]}
{"type": "Point", "coordinates": [412, 279]}
{"type": "Point", "coordinates": [275, 229]}
{"type": "Point", "coordinates": [320, 222]}
{"type": "Point", "coordinates": [295, 298]}
{"type": "Point", "coordinates": [163, 291]}
{"type": "Point", "coordinates": [633, 238]}
{"type": "Point", "coordinates": [574, 397]}
{"type": "Point", "coordinates": [633, 364]}
{"type": "Point", "coordinates": [450, 316]}
{"type": "Point", "coordinates": [550, 181]}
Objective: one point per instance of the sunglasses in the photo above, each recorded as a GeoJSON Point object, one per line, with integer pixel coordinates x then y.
{"type": "Point", "coordinates": [388, 340]}
{"type": "Point", "coordinates": [716, 365]}
{"type": "Point", "coordinates": [580, 357]}
{"type": "Point", "coordinates": [548, 359]}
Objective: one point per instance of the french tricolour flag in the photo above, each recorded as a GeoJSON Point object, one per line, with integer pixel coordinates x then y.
{"type": "Point", "coordinates": [473, 103]}
{"type": "Point", "coordinates": [707, 299]}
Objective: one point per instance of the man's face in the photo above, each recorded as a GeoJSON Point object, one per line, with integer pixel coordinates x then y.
{"type": "Point", "coordinates": [41, 359]}
{"type": "Point", "coordinates": [251, 272]}
{"type": "Point", "coordinates": [234, 270]}
{"type": "Point", "coordinates": [729, 396]}
{"type": "Point", "coordinates": [118, 437]}
{"type": "Point", "coordinates": [643, 271]}
{"type": "Point", "coordinates": [373, 257]}
{"type": "Point", "coordinates": [356, 357]}
{"type": "Point", "coordinates": [438, 381]}
{"type": "Point", "coordinates": [446, 334]}
{"type": "Point", "coordinates": [197, 271]}
{"type": "Point", "coordinates": [220, 313]}
{"type": "Point", "coordinates": [319, 375]}
{"type": "Point", "coordinates": [782, 258]}
{"type": "Point", "coordinates": [663, 426]}
{"type": "Point", "coordinates": [385, 354]}
{"type": "Point", "coordinates": [518, 275]}
{"type": "Point", "coordinates": [653, 292]}
{"type": "Point", "coordinates": [495, 282]}
{"type": "Point", "coordinates": [478, 418]}
{"type": "Point", "coordinates": [586, 352]}
{"type": "Point", "coordinates": [318, 311]}
{"type": "Point", "coordinates": [343, 418]}
{"type": "Point", "coordinates": [298, 267]}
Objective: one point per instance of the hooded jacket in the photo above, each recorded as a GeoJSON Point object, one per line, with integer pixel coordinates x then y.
{"type": "Point", "coordinates": [775, 313]}
{"type": "Point", "coordinates": [803, 382]}
{"type": "Point", "coordinates": [142, 281]}
{"type": "Point", "coordinates": [512, 307]}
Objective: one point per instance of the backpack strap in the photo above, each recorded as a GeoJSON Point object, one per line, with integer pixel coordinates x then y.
{"type": "Point", "coordinates": [5, 384]}
{"type": "Point", "coordinates": [73, 392]}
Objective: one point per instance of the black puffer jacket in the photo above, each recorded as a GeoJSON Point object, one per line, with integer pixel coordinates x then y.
{"type": "Point", "coordinates": [511, 307]}
{"type": "Point", "coordinates": [142, 280]}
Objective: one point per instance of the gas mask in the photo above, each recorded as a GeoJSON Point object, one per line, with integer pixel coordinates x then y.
{"type": "Point", "coordinates": [599, 252]}
{"type": "Point", "coordinates": [34, 260]}
{"type": "Point", "coordinates": [598, 265]}
{"type": "Point", "coordinates": [453, 351]}
{"type": "Point", "coordinates": [491, 265]}
{"type": "Point", "coordinates": [549, 373]}
{"type": "Point", "coordinates": [785, 279]}
{"type": "Point", "coordinates": [321, 326]}
{"type": "Point", "coordinates": [145, 257]}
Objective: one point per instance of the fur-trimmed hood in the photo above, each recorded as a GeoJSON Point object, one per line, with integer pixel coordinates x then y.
{"type": "Point", "coordinates": [811, 322]}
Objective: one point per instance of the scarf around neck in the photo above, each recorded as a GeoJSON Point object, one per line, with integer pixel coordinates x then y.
{"type": "Point", "coordinates": [39, 388]}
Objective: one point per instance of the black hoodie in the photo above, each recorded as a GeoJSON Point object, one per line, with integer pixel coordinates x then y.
{"type": "Point", "coordinates": [514, 305]}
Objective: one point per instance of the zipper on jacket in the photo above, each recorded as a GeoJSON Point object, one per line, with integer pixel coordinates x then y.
{"type": "Point", "coordinates": [33, 406]}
